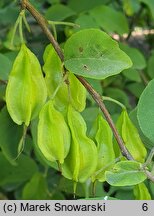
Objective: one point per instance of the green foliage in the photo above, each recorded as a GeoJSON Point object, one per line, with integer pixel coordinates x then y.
{"type": "Point", "coordinates": [101, 15]}
{"type": "Point", "coordinates": [55, 142]}
{"type": "Point", "coordinates": [150, 4]}
{"type": "Point", "coordinates": [18, 174]}
{"type": "Point", "coordinates": [58, 12]}
{"type": "Point", "coordinates": [145, 140]}
{"type": "Point", "coordinates": [145, 117]}
{"type": "Point", "coordinates": [94, 61]}
{"type": "Point", "coordinates": [132, 74]}
{"type": "Point", "coordinates": [10, 134]}
{"type": "Point", "coordinates": [150, 66]}
{"type": "Point", "coordinates": [135, 55]}
{"type": "Point", "coordinates": [86, 21]}
{"type": "Point", "coordinates": [36, 188]}
{"type": "Point", "coordinates": [5, 67]}
{"type": "Point", "coordinates": [84, 5]}
{"type": "Point", "coordinates": [125, 173]}
{"type": "Point", "coordinates": [130, 7]}
{"type": "Point", "coordinates": [8, 15]}
{"type": "Point", "coordinates": [136, 89]}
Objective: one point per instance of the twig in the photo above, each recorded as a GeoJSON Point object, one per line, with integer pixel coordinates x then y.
{"type": "Point", "coordinates": [44, 25]}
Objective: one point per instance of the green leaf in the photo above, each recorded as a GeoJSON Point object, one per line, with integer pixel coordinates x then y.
{"type": "Point", "coordinates": [125, 173]}
{"type": "Point", "coordinates": [136, 88]}
{"type": "Point", "coordinates": [24, 170]}
{"type": "Point", "coordinates": [135, 55]}
{"type": "Point", "coordinates": [132, 74]}
{"type": "Point", "coordinates": [36, 188]}
{"type": "Point", "coordinates": [90, 114]}
{"type": "Point", "coordinates": [8, 15]}
{"type": "Point", "coordinates": [145, 112]}
{"type": "Point", "coordinates": [92, 53]}
{"type": "Point", "coordinates": [130, 6]}
{"type": "Point", "coordinates": [141, 192]}
{"type": "Point", "coordinates": [58, 12]}
{"type": "Point", "coordinates": [150, 4]}
{"type": "Point", "coordinates": [84, 5]}
{"type": "Point", "coordinates": [86, 21]}
{"type": "Point", "coordinates": [116, 23]}
{"type": "Point", "coordinates": [124, 193]}
{"type": "Point", "coordinates": [145, 140]}
{"type": "Point", "coordinates": [5, 67]}
{"type": "Point", "coordinates": [96, 84]}
{"type": "Point", "coordinates": [150, 66]}
{"type": "Point", "coordinates": [28, 145]}
{"type": "Point", "coordinates": [11, 55]}
{"type": "Point", "coordinates": [10, 135]}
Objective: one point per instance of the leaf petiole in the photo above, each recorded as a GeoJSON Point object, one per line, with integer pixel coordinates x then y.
{"type": "Point", "coordinates": [21, 27]}
{"type": "Point", "coordinates": [114, 101]}
{"type": "Point", "coordinates": [15, 29]}
{"type": "Point", "coordinates": [63, 23]}
{"type": "Point", "coordinates": [25, 22]}
{"type": "Point", "coordinates": [19, 24]}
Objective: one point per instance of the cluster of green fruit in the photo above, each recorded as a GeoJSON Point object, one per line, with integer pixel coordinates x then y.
{"type": "Point", "coordinates": [58, 99]}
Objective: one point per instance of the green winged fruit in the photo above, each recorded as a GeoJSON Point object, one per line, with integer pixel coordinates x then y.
{"type": "Point", "coordinates": [53, 134]}
{"type": "Point", "coordinates": [81, 161]}
{"type": "Point", "coordinates": [26, 90]}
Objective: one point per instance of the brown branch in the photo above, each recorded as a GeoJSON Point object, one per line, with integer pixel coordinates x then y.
{"type": "Point", "coordinates": [43, 24]}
